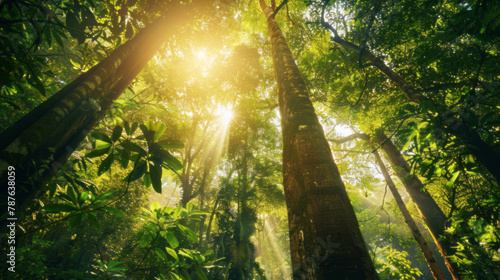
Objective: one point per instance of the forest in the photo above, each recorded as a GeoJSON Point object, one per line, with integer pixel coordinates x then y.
{"type": "Point", "coordinates": [250, 139]}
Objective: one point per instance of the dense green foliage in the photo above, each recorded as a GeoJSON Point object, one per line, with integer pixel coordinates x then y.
{"type": "Point", "coordinates": [182, 178]}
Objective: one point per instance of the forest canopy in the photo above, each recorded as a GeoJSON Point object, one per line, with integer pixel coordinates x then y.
{"type": "Point", "coordinates": [227, 139]}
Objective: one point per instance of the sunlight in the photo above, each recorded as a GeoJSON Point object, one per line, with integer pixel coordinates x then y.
{"type": "Point", "coordinates": [226, 116]}
{"type": "Point", "coordinates": [218, 146]}
{"type": "Point", "coordinates": [278, 253]}
{"type": "Point", "coordinates": [201, 55]}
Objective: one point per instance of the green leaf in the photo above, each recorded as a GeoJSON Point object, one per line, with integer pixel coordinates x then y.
{"type": "Point", "coordinates": [97, 153]}
{"type": "Point", "coordinates": [37, 83]}
{"type": "Point", "coordinates": [173, 276]}
{"type": "Point", "coordinates": [133, 147]}
{"type": "Point", "coordinates": [159, 130]}
{"type": "Point", "coordinates": [171, 239]}
{"type": "Point", "coordinates": [124, 157]}
{"type": "Point", "coordinates": [161, 254]}
{"type": "Point", "coordinates": [148, 134]}
{"type": "Point", "coordinates": [452, 180]}
{"type": "Point", "coordinates": [137, 172]}
{"type": "Point", "coordinates": [75, 220]}
{"type": "Point", "coordinates": [117, 132]}
{"type": "Point", "coordinates": [172, 252]}
{"type": "Point", "coordinates": [154, 206]}
{"type": "Point", "coordinates": [83, 197]}
{"type": "Point", "coordinates": [55, 208]}
{"type": "Point", "coordinates": [172, 162]}
{"type": "Point", "coordinates": [189, 206]}
{"type": "Point", "coordinates": [105, 164]}
{"type": "Point", "coordinates": [113, 211]}
{"type": "Point", "coordinates": [99, 136]}
{"type": "Point", "coordinates": [185, 253]}
{"type": "Point", "coordinates": [147, 179]}
{"type": "Point", "coordinates": [171, 144]}
{"type": "Point", "coordinates": [133, 128]}
{"type": "Point", "coordinates": [101, 145]}
{"type": "Point", "coordinates": [156, 175]}
{"type": "Point", "coordinates": [94, 222]}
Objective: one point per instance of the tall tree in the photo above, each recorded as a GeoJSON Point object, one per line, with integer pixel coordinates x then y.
{"type": "Point", "coordinates": [324, 233]}
{"type": "Point", "coordinates": [453, 123]}
{"type": "Point", "coordinates": [415, 231]}
{"type": "Point", "coordinates": [432, 214]}
{"type": "Point", "coordinates": [49, 134]}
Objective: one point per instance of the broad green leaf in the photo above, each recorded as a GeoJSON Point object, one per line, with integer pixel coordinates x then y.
{"type": "Point", "coordinates": [171, 162]}
{"type": "Point", "coordinates": [133, 147]}
{"type": "Point", "coordinates": [137, 172]}
{"type": "Point", "coordinates": [172, 252]}
{"type": "Point", "coordinates": [113, 211]}
{"type": "Point", "coordinates": [452, 180]}
{"type": "Point", "coordinates": [101, 145]}
{"type": "Point", "coordinates": [54, 208]}
{"type": "Point", "coordinates": [161, 254]}
{"type": "Point", "coordinates": [37, 83]}
{"type": "Point", "coordinates": [93, 220]}
{"type": "Point", "coordinates": [117, 132]}
{"type": "Point", "coordinates": [173, 275]}
{"type": "Point", "coordinates": [83, 197]}
{"type": "Point", "coordinates": [148, 134]}
{"type": "Point", "coordinates": [154, 206]}
{"type": "Point", "coordinates": [189, 206]}
{"type": "Point", "coordinates": [75, 220]}
{"type": "Point", "coordinates": [171, 239]}
{"type": "Point", "coordinates": [124, 157]}
{"type": "Point", "coordinates": [185, 253]}
{"type": "Point", "coordinates": [106, 164]}
{"type": "Point", "coordinates": [98, 153]}
{"type": "Point", "coordinates": [171, 144]}
{"type": "Point", "coordinates": [156, 175]}
{"type": "Point", "coordinates": [147, 179]}
{"type": "Point", "coordinates": [159, 130]}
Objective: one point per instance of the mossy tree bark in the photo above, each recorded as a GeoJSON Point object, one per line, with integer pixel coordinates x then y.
{"type": "Point", "coordinates": [39, 143]}
{"type": "Point", "coordinates": [325, 238]}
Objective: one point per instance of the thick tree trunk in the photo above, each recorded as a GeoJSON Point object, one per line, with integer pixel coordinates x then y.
{"type": "Point", "coordinates": [415, 231]}
{"type": "Point", "coordinates": [325, 239]}
{"type": "Point", "coordinates": [433, 216]}
{"type": "Point", "coordinates": [39, 143]}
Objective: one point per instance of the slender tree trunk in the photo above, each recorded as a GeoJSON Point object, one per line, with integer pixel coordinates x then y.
{"type": "Point", "coordinates": [432, 214]}
{"type": "Point", "coordinates": [325, 239]}
{"type": "Point", "coordinates": [415, 231]}
{"type": "Point", "coordinates": [39, 143]}
{"type": "Point", "coordinates": [467, 135]}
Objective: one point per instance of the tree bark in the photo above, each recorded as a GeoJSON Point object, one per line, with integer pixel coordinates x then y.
{"type": "Point", "coordinates": [415, 231]}
{"type": "Point", "coordinates": [432, 214]}
{"type": "Point", "coordinates": [49, 134]}
{"type": "Point", "coordinates": [325, 237]}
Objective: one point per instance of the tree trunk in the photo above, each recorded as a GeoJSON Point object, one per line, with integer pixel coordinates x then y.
{"type": "Point", "coordinates": [433, 216]}
{"type": "Point", "coordinates": [39, 143]}
{"type": "Point", "coordinates": [324, 233]}
{"type": "Point", "coordinates": [467, 135]}
{"type": "Point", "coordinates": [429, 258]}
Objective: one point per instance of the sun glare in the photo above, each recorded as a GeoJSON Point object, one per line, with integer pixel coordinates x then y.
{"type": "Point", "coordinates": [226, 116]}
{"type": "Point", "coordinates": [201, 55]}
